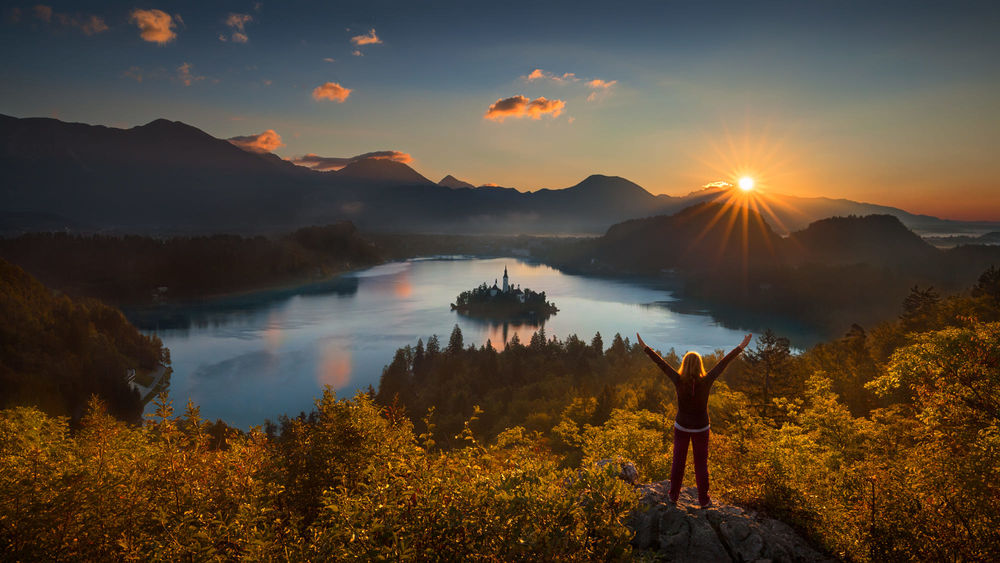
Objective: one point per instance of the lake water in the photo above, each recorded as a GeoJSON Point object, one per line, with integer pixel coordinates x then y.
{"type": "Point", "coordinates": [259, 356]}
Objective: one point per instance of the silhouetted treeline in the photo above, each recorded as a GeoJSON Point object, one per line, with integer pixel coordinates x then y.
{"type": "Point", "coordinates": [137, 270]}
{"type": "Point", "coordinates": [403, 246]}
{"type": "Point", "coordinates": [55, 352]}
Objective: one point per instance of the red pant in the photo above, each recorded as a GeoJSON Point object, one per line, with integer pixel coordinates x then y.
{"type": "Point", "coordinates": [700, 441]}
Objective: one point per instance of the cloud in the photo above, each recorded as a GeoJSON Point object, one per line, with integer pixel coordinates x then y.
{"type": "Point", "coordinates": [185, 75]}
{"type": "Point", "coordinates": [331, 91]}
{"type": "Point", "coordinates": [367, 39]}
{"type": "Point", "coordinates": [264, 142]}
{"type": "Point", "coordinates": [155, 26]}
{"type": "Point", "coordinates": [324, 163]}
{"type": "Point", "coordinates": [539, 74]}
{"type": "Point", "coordinates": [330, 59]}
{"type": "Point", "coordinates": [601, 88]}
{"type": "Point", "coordinates": [717, 184]}
{"type": "Point", "coordinates": [134, 72]}
{"type": "Point", "coordinates": [238, 23]}
{"type": "Point", "coordinates": [357, 53]}
{"type": "Point", "coordinates": [521, 106]}
{"type": "Point", "coordinates": [89, 24]}
{"type": "Point", "coordinates": [43, 13]}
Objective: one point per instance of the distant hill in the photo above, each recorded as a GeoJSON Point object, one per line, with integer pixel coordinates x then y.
{"type": "Point", "coordinates": [722, 236]}
{"type": "Point", "coordinates": [786, 213]}
{"type": "Point", "coordinates": [875, 239]}
{"type": "Point", "coordinates": [835, 272]}
{"type": "Point", "coordinates": [698, 237]}
{"type": "Point", "coordinates": [382, 171]}
{"type": "Point", "coordinates": [55, 352]}
{"type": "Point", "coordinates": [167, 177]}
{"type": "Point", "coordinates": [450, 181]}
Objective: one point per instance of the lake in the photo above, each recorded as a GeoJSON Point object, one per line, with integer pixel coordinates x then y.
{"type": "Point", "coordinates": [248, 358]}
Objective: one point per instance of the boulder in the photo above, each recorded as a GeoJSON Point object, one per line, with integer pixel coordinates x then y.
{"type": "Point", "coordinates": [686, 532]}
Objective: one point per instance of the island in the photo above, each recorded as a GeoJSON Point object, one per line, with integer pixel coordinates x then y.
{"type": "Point", "coordinates": [504, 302]}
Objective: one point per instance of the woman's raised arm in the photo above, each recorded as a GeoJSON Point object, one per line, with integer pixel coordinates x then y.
{"type": "Point", "coordinates": [671, 372]}
{"type": "Point", "coordinates": [721, 366]}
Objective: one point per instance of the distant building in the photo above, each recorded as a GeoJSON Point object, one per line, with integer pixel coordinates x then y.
{"type": "Point", "coordinates": [496, 289]}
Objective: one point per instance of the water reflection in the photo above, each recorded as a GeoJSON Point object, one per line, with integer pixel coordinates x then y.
{"type": "Point", "coordinates": [232, 309]}
{"type": "Point", "coordinates": [500, 332]}
{"type": "Point", "coordinates": [334, 366]}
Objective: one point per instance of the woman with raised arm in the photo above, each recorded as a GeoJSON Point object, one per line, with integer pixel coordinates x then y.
{"type": "Point", "coordinates": [692, 424]}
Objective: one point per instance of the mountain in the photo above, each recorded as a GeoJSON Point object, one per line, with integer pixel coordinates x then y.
{"type": "Point", "coordinates": [450, 181]}
{"type": "Point", "coordinates": [788, 213]}
{"type": "Point", "coordinates": [875, 239]}
{"type": "Point", "coordinates": [704, 236]}
{"type": "Point", "coordinates": [162, 175]}
{"type": "Point", "coordinates": [718, 237]}
{"type": "Point", "coordinates": [167, 177]}
{"type": "Point", "coordinates": [382, 171]}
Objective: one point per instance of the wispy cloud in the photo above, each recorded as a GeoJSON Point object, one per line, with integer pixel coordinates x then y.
{"type": "Point", "coordinates": [43, 13]}
{"type": "Point", "coordinates": [185, 75]}
{"type": "Point", "coordinates": [134, 73]}
{"type": "Point", "coordinates": [155, 26]}
{"type": "Point", "coordinates": [521, 106]}
{"type": "Point", "coordinates": [539, 74]}
{"type": "Point", "coordinates": [237, 22]}
{"type": "Point", "coordinates": [331, 91]}
{"type": "Point", "coordinates": [262, 142]}
{"type": "Point", "coordinates": [325, 163]}
{"type": "Point", "coordinates": [601, 88]}
{"type": "Point", "coordinates": [330, 59]}
{"type": "Point", "coordinates": [357, 53]}
{"type": "Point", "coordinates": [89, 24]}
{"type": "Point", "coordinates": [367, 39]}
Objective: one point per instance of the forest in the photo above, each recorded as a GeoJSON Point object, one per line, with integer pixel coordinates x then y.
{"type": "Point", "coordinates": [140, 270]}
{"type": "Point", "coordinates": [55, 352]}
{"type": "Point", "coordinates": [883, 444]}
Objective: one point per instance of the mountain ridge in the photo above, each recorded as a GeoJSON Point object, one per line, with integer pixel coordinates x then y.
{"type": "Point", "coordinates": [170, 177]}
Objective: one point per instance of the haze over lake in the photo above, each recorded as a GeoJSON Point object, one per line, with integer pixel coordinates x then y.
{"type": "Point", "coordinates": [259, 356]}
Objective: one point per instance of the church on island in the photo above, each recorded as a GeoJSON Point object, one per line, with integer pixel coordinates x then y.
{"type": "Point", "coordinates": [503, 301]}
{"type": "Point", "coordinates": [507, 288]}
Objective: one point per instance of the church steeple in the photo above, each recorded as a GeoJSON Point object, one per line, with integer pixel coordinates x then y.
{"type": "Point", "coordinates": [506, 286]}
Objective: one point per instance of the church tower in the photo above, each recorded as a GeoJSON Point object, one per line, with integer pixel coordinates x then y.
{"type": "Point", "coordinates": [506, 286]}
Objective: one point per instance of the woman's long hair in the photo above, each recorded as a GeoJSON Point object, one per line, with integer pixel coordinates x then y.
{"type": "Point", "coordinates": [691, 369]}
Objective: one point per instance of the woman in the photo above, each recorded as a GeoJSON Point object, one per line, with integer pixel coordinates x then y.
{"type": "Point", "coordinates": [692, 424]}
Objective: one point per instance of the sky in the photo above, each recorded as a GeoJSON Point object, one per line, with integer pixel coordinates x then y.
{"type": "Point", "coordinates": [896, 103]}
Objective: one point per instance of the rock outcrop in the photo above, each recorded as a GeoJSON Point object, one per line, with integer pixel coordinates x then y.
{"type": "Point", "coordinates": [686, 532]}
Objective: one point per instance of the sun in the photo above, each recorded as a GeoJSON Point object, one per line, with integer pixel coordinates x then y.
{"type": "Point", "coordinates": [746, 183]}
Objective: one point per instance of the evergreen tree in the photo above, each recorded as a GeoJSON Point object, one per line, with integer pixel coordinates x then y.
{"type": "Point", "coordinates": [988, 285]}
{"type": "Point", "coordinates": [433, 347]}
{"type": "Point", "coordinates": [919, 308]}
{"type": "Point", "coordinates": [597, 344]}
{"type": "Point", "coordinates": [768, 366]}
{"type": "Point", "coordinates": [455, 343]}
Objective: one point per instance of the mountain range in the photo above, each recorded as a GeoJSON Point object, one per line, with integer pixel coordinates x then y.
{"type": "Point", "coordinates": [169, 177]}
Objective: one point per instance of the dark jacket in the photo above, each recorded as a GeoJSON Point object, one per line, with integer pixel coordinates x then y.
{"type": "Point", "coordinates": [692, 408]}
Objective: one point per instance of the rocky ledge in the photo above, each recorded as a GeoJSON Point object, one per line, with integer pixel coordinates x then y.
{"type": "Point", "coordinates": [686, 532]}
